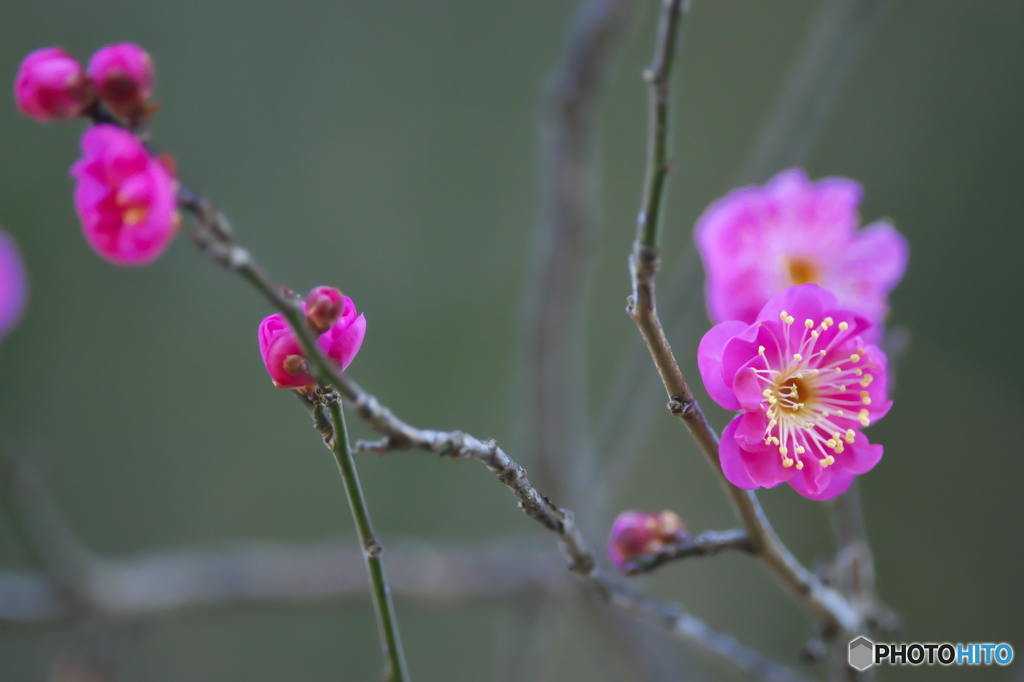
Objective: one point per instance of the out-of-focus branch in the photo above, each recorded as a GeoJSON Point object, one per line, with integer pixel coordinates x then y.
{"type": "Point", "coordinates": [71, 583]}
{"type": "Point", "coordinates": [823, 602]}
{"type": "Point", "coordinates": [552, 405]}
{"type": "Point", "coordinates": [707, 544]}
{"type": "Point", "coordinates": [274, 574]}
{"type": "Point", "coordinates": [40, 529]}
{"type": "Point", "coordinates": [814, 81]}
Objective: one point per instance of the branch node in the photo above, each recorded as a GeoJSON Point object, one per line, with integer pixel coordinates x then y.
{"type": "Point", "coordinates": [372, 547]}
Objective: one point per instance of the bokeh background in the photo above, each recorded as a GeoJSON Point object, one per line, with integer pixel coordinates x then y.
{"type": "Point", "coordinates": [391, 149]}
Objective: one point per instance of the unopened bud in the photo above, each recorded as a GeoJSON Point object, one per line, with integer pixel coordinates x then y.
{"type": "Point", "coordinates": [636, 533]}
{"type": "Point", "coordinates": [123, 75]}
{"type": "Point", "coordinates": [323, 308]}
{"type": "Point", "coordinates": [51, 86]}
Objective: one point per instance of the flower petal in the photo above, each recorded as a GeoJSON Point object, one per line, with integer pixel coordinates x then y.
{"type": "Point", "coordinates": [730, 455]}
{"type": "Point", "coordinates": [709, 360]}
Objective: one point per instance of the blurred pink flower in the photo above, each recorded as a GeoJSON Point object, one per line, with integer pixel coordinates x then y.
{"type": "Point", "coordinates": [284, 357]}
{"type": "Point", "coordinates": [51, 86]}
{"type": "Point", "coordinates": [758, 240]}
{"type": "Point", "coordinates": [13, 284]}
{"type": "Point", "coordinates": [123, 75]}
{"type": "Point", "coordinates": [636, 533]}
{"type": "Point", "coordinates": [806, 382]}
{"type": "Point", "coordinates": [126, 200]}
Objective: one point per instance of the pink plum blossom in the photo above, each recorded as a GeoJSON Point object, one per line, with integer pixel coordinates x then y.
{"type": "Point", "coordinates": [758, 240]}
{"type": "Point", "coordinates": [126, 199]}
{"type": "Point", "coordinates": [284, 357]}
{"type": "Point", "coordinates": [636, 533]}
{"type": "Point", "coordinates": [13, 287]}
{"type": "Point", "coordinates": [51, 86]}
{"type": "Point", "coordinates": [805, 381]}
{"type": "Point", "coordinates": [123, 75]}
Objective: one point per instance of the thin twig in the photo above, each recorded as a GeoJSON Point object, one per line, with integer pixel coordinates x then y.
{"type": "Point", "coordinates": [457, 444]}
{"type": "Point", "coordinates": [390, 640]}
{"type": "Point", "coordinates": [707, 544]}
{"type": "Point", "coordinates": [823, 602]}
{"type": "Point", "coordinates": [582, 560]}
{"type": "Point", "coordinates": [216, 238]}
{"type": "Point", "coordinates": [818, 72]}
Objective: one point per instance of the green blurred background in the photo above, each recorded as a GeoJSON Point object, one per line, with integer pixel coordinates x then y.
{"type": "Point", "coordinates": [390, 149]}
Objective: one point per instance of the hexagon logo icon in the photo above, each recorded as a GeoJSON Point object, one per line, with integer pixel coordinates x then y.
{"type": "Point", "coordinates": [862, 653]}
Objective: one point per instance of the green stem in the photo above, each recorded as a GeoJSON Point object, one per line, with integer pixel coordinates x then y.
{"type": "Point", "coordinates": [391, 643]}
{"type": "Point", "coordinates": [658, 163]}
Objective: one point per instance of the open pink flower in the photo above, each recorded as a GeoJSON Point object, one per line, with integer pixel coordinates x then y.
{"type": "Point", "coordinates": [51, 86]}
{"type": "Point", "coordinates": [123, 75]}
{"type": "Point", "coordinates": [806, 382]}
{"type": "Point", "coordinates": [126, 199]}
{"type": "Point", "coordinates": [284, 357]}
{"type": "Point", "coordinates": [636, 533]}
{"type": "Point", "coordinates": [13, 287]}
{"type": "Point", "coordinates": [758, 240]}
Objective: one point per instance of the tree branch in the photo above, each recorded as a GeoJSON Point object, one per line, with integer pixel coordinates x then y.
{"type": "Point", "coordinates": [215, 237]}
{"type": "Point", "coordinates": [811, 87]}
{"type": "Point", "coordinates": [814, 79]}
{"type": "Point", "coordinates": [159, 584]}
{"type": "Point", "coordinates": [823, 602]}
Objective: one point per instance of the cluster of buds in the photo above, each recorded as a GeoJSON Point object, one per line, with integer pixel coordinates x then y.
{"type": "Point", "coordinates": [52, 85]}
{"type": "Point", "coordinates": [125, 197]}
{"type": "Point", "coordinates": [340, 329]}
{"type": "Point", "coordinates": [638, 533]}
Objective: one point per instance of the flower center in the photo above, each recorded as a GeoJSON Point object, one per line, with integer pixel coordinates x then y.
{"type": "Point", "coordinates": [802, 271]}
{"type": "Point", "coordinates": [793, 395]}
{"type": "Point", "coordinates": [132, 212]}
{"type": "Point", "coordinates": [813, 392]}
{"type": "Point", "coordinates": [135, 215]}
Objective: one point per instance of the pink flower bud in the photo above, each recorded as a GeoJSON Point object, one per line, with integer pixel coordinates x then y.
{"type": "Point", "coordinates": [636, 533]}
{"type": "Point", "coordinates": [51, 86]}
{"type": "Point", "coordinates": [323, 307]}
{"type": "Point", "coordinates": [13, 289]}
{"type": "Point", "coordinates": [126, 199]}
{"type": "Point", "coordinates": [123, 75]}
{"type": "Point", "coordinates": [284, 357]}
